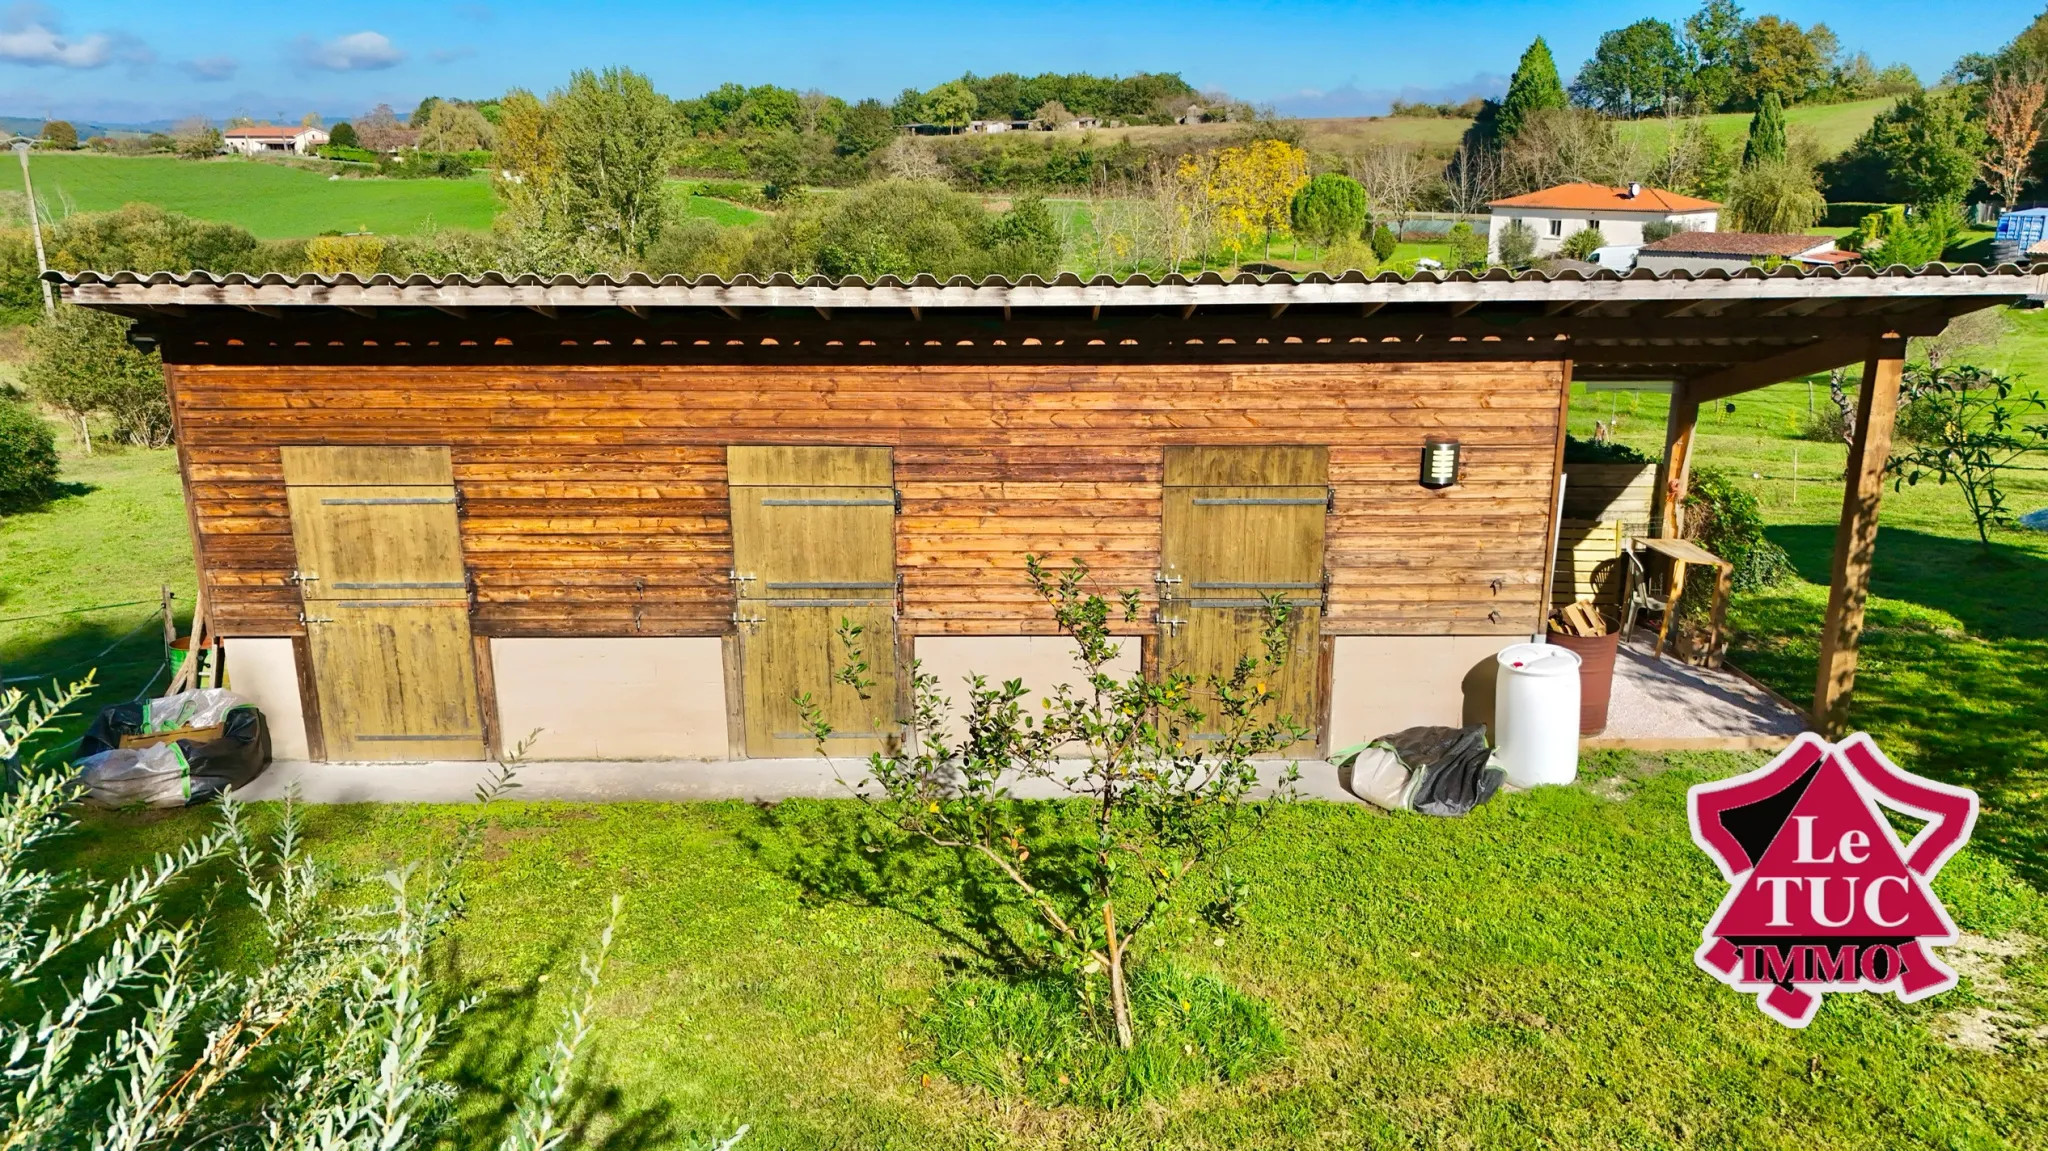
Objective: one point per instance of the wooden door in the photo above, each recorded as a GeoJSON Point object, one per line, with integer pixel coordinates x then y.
{"type": "Point", "coordinates": [814, 548]}
{"type": "Point", "coordinates": [386, 600]}
{"type": "Point", "coordinates": [1237, 525]}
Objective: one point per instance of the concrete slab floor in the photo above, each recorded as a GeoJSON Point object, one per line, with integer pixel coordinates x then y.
{"type": "Point", "coordinates": [1666, 705]}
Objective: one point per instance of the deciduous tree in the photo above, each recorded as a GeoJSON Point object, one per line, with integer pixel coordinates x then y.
{"type": "Point", "coordinates": [1977, 429]}
{"type": "Point", "coordinates": [614, 136]}
{"type": "Point", "coordinates": [1775, 196]}
{"type": "Point", "coordinates": [1713, 51]}
{"type": "Point", "coordinates": [949, 105]}
{"type": "Point", "coordinates": [2012, 120]}
{"type": "Point", "coordinates": [1635, 70]}
{"type": "Point", "coordinates": [60, 134]}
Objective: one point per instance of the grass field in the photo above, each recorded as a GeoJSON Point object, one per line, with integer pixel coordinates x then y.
{"type": "Point", "coordinates": [270, 200]}
{"type": "Point", "coordinates": [1833, 126]}
{"type": "Point", "coordinates": [1520, 977]}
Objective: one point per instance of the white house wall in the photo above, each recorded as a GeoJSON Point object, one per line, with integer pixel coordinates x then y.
{"type": "Point", "coordinates": [1624, 228]}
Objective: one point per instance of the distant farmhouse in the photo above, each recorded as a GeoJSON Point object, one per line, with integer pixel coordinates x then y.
{"type": "Point", "coordinates": [257, 139]}
{"type": "Point", "coordinates": [1618, 212]}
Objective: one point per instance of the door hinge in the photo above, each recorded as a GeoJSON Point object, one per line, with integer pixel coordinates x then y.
{"type": "Point", "coordinates": [899, 500]}
{"type": "Point", "coordinates": [301, 578]}
{"type": "Point", "coordinates": [304, 618]}
{"type": "Point", "coordinates": [1330, 499]}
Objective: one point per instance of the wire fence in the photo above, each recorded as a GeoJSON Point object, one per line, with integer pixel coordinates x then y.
{"type": "Point", "coordinates": [155, 618]}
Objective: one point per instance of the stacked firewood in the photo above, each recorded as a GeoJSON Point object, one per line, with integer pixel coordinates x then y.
{"type": "Point", "coordinates": [1579, 619]}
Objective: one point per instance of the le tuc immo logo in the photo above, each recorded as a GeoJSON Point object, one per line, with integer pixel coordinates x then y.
{"type": "Point", "coordinates": [1822, 895]}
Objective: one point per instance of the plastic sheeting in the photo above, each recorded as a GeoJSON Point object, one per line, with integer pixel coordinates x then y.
{"type": "Point", "coordinates": [178, 772]}
{"type": "Point", "coordinates": [1431, 770]}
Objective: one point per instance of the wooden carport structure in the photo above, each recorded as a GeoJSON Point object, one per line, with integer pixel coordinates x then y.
{"type": "Point", "coordinates": [1710, 336]}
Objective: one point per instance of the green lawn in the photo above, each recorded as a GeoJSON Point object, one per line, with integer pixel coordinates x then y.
{"type": "Point", "coordinates": [1833, 126]}
{"type": "Point", "coordinates": [271, 200]}
{"type": "Point", "coordinates": [1521, 977]}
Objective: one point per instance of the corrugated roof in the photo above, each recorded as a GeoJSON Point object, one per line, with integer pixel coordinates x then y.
{"type": "Point", "coordinates": [1606, 198]}
{"type": "Point", "coordinates": [1496, 286]}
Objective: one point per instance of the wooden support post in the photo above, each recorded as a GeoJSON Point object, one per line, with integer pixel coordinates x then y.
{"type": "Point", "coordinates": [1856, 537]}
{"type": "Point", "coordinates": [1678, 437]}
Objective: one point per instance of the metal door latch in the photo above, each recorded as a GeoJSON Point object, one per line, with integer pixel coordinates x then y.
{"type": "Point", "coordinates": [734, 576]}
{"type": "Point", "coordinates": [304, 618]}
{"type": "Point", "coordinates": [301, 578]}
{"type": "Point", "coordinates": [747, 620]}
{"type": "Point", "coordinates": [1171, 624]}
{"type": "Point", "coordinates": [1162, 578]}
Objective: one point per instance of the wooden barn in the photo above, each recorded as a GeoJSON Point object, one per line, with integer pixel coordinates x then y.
{"type": "Point", "coordinates": [435, 516]}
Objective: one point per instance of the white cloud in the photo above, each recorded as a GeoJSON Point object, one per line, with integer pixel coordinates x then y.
{"type": "Point", "coordinates": [355, 52]}
{"type": "Point", "coordinates": [212, 68]}
{"type": "Point", "coordinates": [29, 35]}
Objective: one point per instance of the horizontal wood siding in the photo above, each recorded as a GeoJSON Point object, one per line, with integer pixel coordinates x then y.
{"type": "Point", "coordinates": [594, 498]}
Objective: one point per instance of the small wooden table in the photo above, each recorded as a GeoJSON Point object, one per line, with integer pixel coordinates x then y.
{"type": "Point", "coordinates": [1682, 553]}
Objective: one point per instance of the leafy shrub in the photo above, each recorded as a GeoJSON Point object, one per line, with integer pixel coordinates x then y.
{"type": "Point", "coordinates": [1725, 518]}
{"type": "Point", "coordinates": [347, 153]}
{"type": "Point", "coordinates": [1578, 451]}
{"type": "Point", "coordinates": [28, 457]}
{"type": "Point", "coordinates": [80, 363]}
{"type": "Point", "coordinates": [1039, 1039]}
{"type": "Point", "coordinates": [1581, 245]}
{"type": "Point", "coordinates": [1517, 246]}
{"type": "Point", "coordinates": [1468, 248]}
{"type": "Point", "coordinates": [330, 255]}
{"type": "Point", "coordinates": [425, 166]}
{"type": "Point", "coordinates": [1657, 230]}
{"type": "Point", "coordinates": [1384, 243]}
{"type": "Point", "coordinates": [901, 228]}
{"type": "Point", "coordinates": [342, 135]}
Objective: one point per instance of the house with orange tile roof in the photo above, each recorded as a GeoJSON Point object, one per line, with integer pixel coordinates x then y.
{"type": "Point", "coordinates": [256, 139]}
{"type": "Point", "coordinates": [1620, 212]}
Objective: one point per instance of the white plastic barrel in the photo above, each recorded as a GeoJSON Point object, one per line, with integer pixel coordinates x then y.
{"type": "Point", "coordinates": [1536, 714]}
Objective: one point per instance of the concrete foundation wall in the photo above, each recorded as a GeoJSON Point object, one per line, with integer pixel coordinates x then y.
{"type": "Point", "coordinates": [651, 698]}
{"type": "Point", "coordinates": [265, 671]}
{"type": "Point", "coordinates": [1043, 662]}
{"type": "Point", "coordinates": [1381, 684]}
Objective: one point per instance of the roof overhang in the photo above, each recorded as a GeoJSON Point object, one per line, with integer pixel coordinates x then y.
{"type": "Point", "coordinates": [1676, 325]}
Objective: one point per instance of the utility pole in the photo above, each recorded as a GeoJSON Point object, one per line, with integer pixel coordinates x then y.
{"type": "Point", "coordinates": [35, 225]}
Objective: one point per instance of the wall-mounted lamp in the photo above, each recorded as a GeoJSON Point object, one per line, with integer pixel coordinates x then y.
{"type": "Point", "coordinates": [1439, 463]}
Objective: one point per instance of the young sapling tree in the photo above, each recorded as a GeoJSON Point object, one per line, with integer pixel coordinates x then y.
{"type": "Point", "coordinates": [1164, 806]}
{"type": "Point", "coordinates": [1971, 429]}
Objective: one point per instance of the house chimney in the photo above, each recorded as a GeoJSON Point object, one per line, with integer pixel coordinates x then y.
{"type": "Point", "coordinates": [1634, 189]}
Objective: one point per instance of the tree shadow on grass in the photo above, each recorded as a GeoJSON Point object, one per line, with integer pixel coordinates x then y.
{"type": "Point", "coordinates": [124, 648]}
{"type": "Point", "coordinates": [1968, 707]}
{"type": "Point", "coordinates": [500, 1041]}
{"type": "Point", "coordinates": [1996, 595]}
{"type": "Point", "coordinates": [849, 854]}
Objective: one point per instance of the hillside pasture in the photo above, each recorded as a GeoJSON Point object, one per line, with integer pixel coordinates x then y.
{"type": "Point", "coordinates": [1832, 126]}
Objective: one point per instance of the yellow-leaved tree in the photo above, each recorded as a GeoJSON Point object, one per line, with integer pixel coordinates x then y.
{"type": "Point", "coordinates": [1251, 187]}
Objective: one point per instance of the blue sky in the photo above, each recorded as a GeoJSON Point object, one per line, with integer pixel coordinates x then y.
{"type": "Point", "coordinates": [137, 60]}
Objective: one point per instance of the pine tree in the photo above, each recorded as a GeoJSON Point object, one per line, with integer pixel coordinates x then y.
{"type": "Point", "coordinates": [1535, 86]}
{"type": "Point", "coordinates": [1766, 132]}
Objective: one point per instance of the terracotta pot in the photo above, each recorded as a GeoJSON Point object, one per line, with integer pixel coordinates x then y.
{"type": "Point", "coordinates": [1596, 675]}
